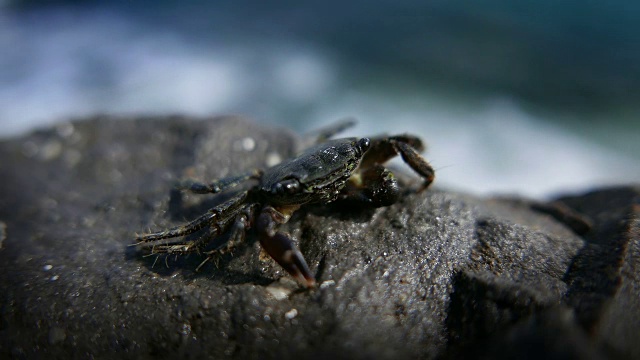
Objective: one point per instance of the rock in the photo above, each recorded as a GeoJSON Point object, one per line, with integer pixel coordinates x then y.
{"type": "Point", "coordinates": [438, 274]}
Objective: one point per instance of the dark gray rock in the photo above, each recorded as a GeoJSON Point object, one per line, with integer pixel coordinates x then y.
{"type": "Point", "coordinates": [439, 274]}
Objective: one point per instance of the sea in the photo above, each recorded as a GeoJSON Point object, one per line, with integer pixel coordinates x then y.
{"type": "Point", "coordinates": [531, 98]}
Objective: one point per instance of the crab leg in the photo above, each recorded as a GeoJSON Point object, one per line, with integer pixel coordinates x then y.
{"type": "Point", "coordinates": [325, 133]}
{"type": "Point", "coordinates": [238, 233]}
{"type": "Point", "coordinates": [417, 163]}
{"type": "Point", "coordinates": [217, 185]}
{"type": "Point", "coordinates": [375, 186]}
{"type": "Point", "coordinates": [409, 147]}
{"type": "Point", "coordinates": [279, 245]}
{"type": "Point", "coordinates": [215, 216]}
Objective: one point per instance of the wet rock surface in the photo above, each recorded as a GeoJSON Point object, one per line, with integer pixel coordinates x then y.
{"type": "Point", "coordinates": [436, 275]}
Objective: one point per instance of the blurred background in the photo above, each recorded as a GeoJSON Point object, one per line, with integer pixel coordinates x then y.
{"type": "Point", "coordinates": [528, 97]}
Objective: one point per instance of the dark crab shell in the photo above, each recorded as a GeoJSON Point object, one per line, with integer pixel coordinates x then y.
{"type": "Point", "coordinates": [321, 170]}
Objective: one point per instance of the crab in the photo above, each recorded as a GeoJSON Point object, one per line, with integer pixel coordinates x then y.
{"type": "Point", "coordinates": [330, 170]}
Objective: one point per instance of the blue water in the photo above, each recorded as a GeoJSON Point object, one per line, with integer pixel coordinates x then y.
{"type": "Point", "coordinates": [529, 97]}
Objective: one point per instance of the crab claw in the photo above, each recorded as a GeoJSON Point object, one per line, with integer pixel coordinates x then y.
{"type": "Point", "coordinates": [283, 251]}
{"type": "Point", "coordinates": [280, 247]}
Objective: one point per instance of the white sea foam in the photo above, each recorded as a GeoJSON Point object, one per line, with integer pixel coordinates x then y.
{"type": "Point", "coordinates": [494, 147]}
{"type": "Point", "coordinates": [102, 63]}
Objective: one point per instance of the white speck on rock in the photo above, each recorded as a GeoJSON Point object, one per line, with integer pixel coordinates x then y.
{"type": "Point", "coordinates": [273, 158]}
{"type": "Point", "coordinates": [248, 144]}
{"type": "Point", "coordinates": [278, 292]}
{"type": "Point", "coordinates": [244, 144]}
{"type": "Point", "coordinates": [289, 315]}
{"type": "Point", "coordinates": [50, 150]}
{"type": "Point", "coordinates": [65, 129]}
{"type": "Point", "coordinates": [326, 284]}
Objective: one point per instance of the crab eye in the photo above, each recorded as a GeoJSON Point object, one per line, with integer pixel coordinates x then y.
{"type": "Point", "coordinates": [363, 145]}
{"type": "Point", "coordinates": [289, 186]}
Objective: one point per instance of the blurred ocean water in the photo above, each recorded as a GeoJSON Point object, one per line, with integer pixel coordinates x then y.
{"type": "Point", "coordinates": [532, 98]}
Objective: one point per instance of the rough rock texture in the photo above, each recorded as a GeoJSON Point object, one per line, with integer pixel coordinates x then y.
{"type": "Point", "coordinates": [437, 275]}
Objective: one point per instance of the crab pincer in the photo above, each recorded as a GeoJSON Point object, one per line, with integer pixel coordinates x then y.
{"type": "Point", "coordinates": [281, 248]}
